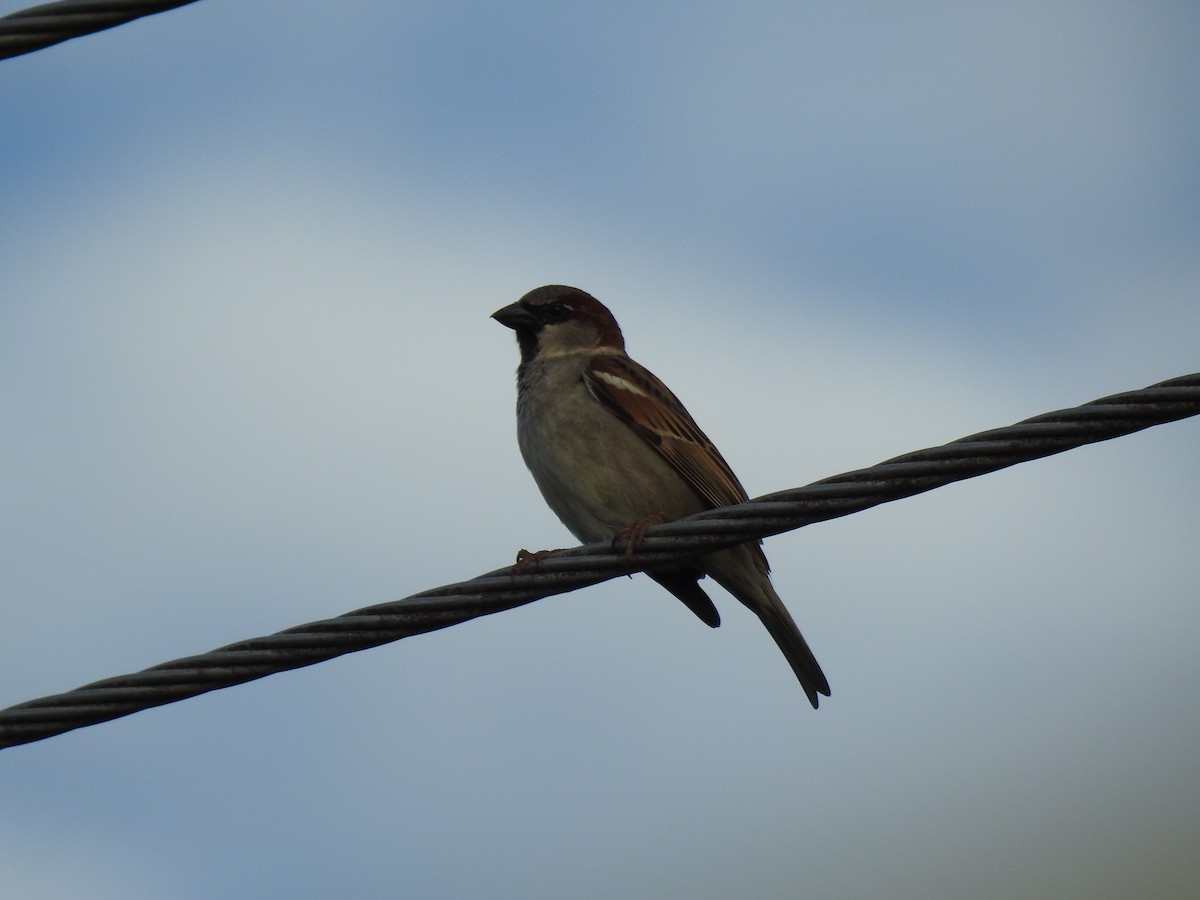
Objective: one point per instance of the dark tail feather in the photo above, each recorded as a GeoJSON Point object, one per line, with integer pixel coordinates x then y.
{"type": "Point", "coordinates": [687, 588]}
{"type": "Point", "coordinates": [751, 585]}
{"type": "Point", "coordinates": [782, 628]}
{"type": "Point", "coordinates": [743, 572]}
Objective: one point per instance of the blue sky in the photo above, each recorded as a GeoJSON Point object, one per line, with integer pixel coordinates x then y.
{"type": "Point", "coordinates": [249, 380]}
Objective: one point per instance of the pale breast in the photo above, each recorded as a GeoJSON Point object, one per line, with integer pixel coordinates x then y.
{"type": "Point", "coordinates": [594, 472]}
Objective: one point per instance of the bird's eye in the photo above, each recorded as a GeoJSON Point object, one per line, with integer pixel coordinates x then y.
{"type": "Point", "coordinates": [556, 312]}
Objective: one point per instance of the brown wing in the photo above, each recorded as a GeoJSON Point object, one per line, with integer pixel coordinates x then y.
{"type": "Point", "coordinates": [656, 415]}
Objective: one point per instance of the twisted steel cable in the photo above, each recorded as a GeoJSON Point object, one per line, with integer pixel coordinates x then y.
{"type": "Point", "coordinates": [32, 29]}
{"type": "Point", "coordinates": [841, 495]}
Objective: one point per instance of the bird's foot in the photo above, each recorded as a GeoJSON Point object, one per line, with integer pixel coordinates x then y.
{"type": "Point", "coordinates": [526, 558]}
{"type": "Point", "coordinates": [635, 532]}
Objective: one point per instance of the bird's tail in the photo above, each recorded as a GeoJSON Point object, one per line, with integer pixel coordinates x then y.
{"type": "Point", "coordinates": [747, 579]}
{"type": "Point", "coordinates": [782, 627]}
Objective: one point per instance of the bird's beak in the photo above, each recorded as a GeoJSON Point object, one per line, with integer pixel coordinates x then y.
{"type": "Point", "coordinates": [514, 316]}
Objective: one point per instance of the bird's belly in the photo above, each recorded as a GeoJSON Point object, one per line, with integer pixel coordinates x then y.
{"type": "Point", "coordinates": [602, 479]}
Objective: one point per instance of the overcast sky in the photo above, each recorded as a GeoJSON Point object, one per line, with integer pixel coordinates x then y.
{"type": "Point", "coordinates": [247, 380]}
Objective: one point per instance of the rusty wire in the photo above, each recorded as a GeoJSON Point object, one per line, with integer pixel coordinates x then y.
{"type": "Point", "coordinates": [841, 495]}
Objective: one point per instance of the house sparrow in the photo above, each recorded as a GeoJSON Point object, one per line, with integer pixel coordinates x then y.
{"type": "Point", "coordinates": [612, 449]}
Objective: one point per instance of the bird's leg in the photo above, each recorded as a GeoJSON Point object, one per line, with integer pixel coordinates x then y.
{"type": "Point", "coordinates": [527, 558]}
{"type": "Point", "coordinates": [635, 532]}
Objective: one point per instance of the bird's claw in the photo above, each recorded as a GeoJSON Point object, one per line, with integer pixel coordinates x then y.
{"type": "Point", "coordinates": [634, 533]}
{"type": "Point", "coordinates": [526, 558]}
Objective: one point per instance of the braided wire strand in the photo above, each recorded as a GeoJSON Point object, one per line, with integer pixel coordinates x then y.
{"type": "Point", "coordinates": [42, 26]}
{"type": "Point", "coordinates": [568, 570]}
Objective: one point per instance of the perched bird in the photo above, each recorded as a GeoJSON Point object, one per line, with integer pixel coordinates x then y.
{"type": "Point", "coordinates": [612, 450]}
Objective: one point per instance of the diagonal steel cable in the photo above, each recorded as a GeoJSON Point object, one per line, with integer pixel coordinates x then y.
{"type": "Point", "coordinates": [32, 29]}
{"type": "Point", "coordinates": [304, 645]}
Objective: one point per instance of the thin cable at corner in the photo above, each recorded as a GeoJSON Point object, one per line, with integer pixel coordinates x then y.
{"type": "Point", "coordinates": [32, 29]}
